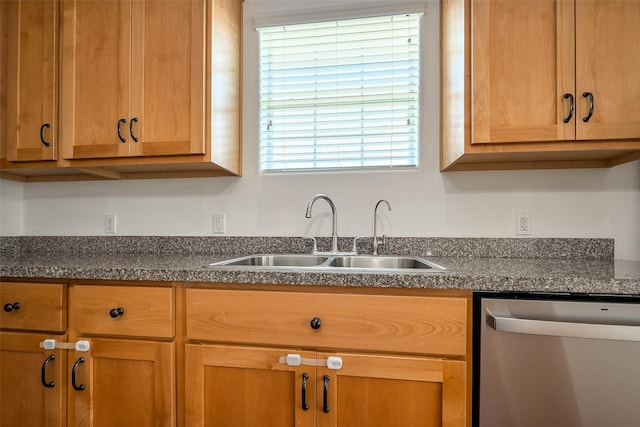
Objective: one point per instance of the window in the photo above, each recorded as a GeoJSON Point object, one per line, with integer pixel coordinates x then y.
{"type": "Point", "coordinates": [340, 94]}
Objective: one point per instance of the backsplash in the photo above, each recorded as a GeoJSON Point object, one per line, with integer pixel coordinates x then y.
{"type": "Point", "coordinates": [570, 248]}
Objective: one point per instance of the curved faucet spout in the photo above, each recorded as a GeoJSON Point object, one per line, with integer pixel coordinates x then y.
{"type": "Point", "coordinates": [334, 227]}
{"type": "Point", "coordinates": [375, 242]}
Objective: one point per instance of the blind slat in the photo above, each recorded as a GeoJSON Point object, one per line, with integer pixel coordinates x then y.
{"type": "Point", "coordinates": [341, 94]}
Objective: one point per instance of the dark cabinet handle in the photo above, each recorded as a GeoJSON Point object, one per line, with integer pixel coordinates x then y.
{"type": "Point", "coordinates": [590, 96]}
{"type": "Point", "coordinates": [305, 405]}
{"type": "Point", "coordinates": [42, 128]}
{"type": "Point", "coordinates": [73, 375]}
{"type": "Point", "coordinates": [315, 323]}
{"type": "Point", "coordinates": [571, 107]}
{"type": "Point", "coordinates": [8, 307]}
{"type": "Point", "coordinates": [131, 122]}
{"type": "Point", "coordinates": [120, 122]}
{"type": "Point", "coordinates": [325, 395]}
{"type": "Point", "coordinates": [115, 312]}
{"type": "Point", "coordinates": [43, 373]}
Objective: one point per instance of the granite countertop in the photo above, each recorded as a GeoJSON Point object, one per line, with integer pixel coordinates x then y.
{"type": "Point", "coordinates": [577, 265]}
{"type": "Point", "coordinates": [496, 274]}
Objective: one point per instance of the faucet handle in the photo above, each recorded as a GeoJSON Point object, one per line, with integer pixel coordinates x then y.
{"type": "Point", "coordinates": [355, 244]}
{"type": "Point", "coordinates": [315, 244]}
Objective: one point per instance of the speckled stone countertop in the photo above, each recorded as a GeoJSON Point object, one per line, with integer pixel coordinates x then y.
{"type": "Point", "coordinates": [550, 265]}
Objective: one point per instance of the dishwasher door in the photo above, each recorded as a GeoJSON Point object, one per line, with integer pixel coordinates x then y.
{"type": "Point", "coordinates": [556, 363]}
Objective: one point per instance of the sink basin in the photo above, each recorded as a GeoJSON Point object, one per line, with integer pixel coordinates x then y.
{"type": "Point", "coordinates": [276, 260]}
{"type": "Point", "coordinates": [383, 262]}
{"type": "Point", "coordinates": [333, 262]}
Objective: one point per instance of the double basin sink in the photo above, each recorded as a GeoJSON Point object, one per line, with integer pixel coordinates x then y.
{"type": "Point", "coordinates": [333, 262]}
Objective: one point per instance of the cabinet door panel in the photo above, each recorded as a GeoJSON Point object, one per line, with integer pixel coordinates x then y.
{"type": "Point", "coordinates": [32, 80]}
{"type": "Point", "coordinates": [522, 65]}
{"type": "Point", "coordinates": [246, 386]}
{"type": "Point", "coordinates": [24, 401]}
{"type": "Point", "coordinates": [392, 390]}
{"type": "Point", "coordinates": [168, 75]}
{"type": "Point", "coordinates": [608, 60]}
{"type": "Point", "coordinates": [127, 384]}
{"type": "Point", "coordinates": [95, 78]}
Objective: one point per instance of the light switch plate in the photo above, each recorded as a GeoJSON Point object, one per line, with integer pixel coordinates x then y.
{"type": "Point", "coordinates": [110, 224]}
{"type": "Point", "coordinates": [218, 223]}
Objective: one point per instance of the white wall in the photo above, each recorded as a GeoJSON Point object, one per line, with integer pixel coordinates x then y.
{"type": "Point", "coordinates": [11, 208]}
{"type": "Point", "coordinates": [425, 202]}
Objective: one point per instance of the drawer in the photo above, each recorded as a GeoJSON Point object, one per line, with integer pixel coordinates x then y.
{"type": "Point", "coordinates": [398, 324]}
{"type": "Point", "coordinates": [41, 306]}
{"type": "Point", "coordinates": [145, 311]}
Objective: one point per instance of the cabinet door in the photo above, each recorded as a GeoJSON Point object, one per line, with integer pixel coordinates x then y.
{"type": "Point", "coordinates": [373, 390]}
{"type": "Point", "coordinates": [245, 387]}
{"type": "Point", "coordinates": [607, 64]}
{"type": "Point", "coordinates": [522, 66]}
{"type": "Point", "coordinates": [125, 383]}
{"type": "Point", "coordinates": [168, 77]}
{"type": "Point", "coordinates": [24, 400]}
{"type": "Point", "coordinates": [95, 78]}
{"type": "Point", "coordinates": [32, 80]}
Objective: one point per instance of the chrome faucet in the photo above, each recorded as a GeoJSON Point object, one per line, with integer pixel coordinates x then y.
{"type": "Point", "coordinates": [375, 243]}
{"type": "Point", "coordinates": [334, 227]}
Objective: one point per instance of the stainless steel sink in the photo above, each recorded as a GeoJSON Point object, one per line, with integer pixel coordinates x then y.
{"type": "Point", "coordinates": [276, 260]}
{"type": "Point", "coordinates": [333, 262]}
{"type": "Point", "coordinates": [383, 262]}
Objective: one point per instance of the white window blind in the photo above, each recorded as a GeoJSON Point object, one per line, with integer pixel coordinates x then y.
{"type": "Point", "coordinates": [340, 94]}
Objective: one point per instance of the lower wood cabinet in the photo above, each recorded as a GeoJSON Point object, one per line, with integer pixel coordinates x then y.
{"type": "Point", "coordinates": [124, 383]}
{"type": "Point", "coordinates": [246, 386]}
{"type": "Point", "coordinates": [209, 355]}
{"type": "Point", "coordinates": [32, 381]}
{"type": "Point", "coordinates": [128, 376]}
{"type": "Point", "coordinates": [249, 386]}
{"type": "Point", "coordinates": [325, 359]}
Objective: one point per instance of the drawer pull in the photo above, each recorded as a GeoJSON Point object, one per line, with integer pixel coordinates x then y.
{"type": "Point", "coordinates": [305, 405]}
{"type": "Point", "coordinates": [325, 394]}
{"type": "Point", "coordinates": [8, 307]}
{"type": "Point", "coordinates": [43, 373]}
{"type": "Point", "coordinates": [73, 375]}
{"type": "Point", "coordinates": [115, 312]}
{"type": "Point", "coordinates": [315, 323]}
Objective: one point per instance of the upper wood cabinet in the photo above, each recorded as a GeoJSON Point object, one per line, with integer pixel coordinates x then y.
{"type": "Point", "coordinates": [133, 78]}
{"type": "Point", "coordinates": [32, 80]}
{"type": "Point", "coordinates": [147, 89]}
{"type": "Point", "coordinates": [607, 64]}
{"type": "Point", "coordinates": [539, 84]}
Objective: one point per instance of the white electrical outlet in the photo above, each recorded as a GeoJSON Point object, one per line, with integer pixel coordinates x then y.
{"type": "Point", "coordinates": [110, 224]}
{"type": "Point", "coordinates": [523, 224]}
{"type": "Point", "coordinates": [218, 223]}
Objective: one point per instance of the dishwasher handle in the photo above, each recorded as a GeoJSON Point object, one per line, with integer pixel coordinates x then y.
{"type": "Point", "coordinates": [563, 329]}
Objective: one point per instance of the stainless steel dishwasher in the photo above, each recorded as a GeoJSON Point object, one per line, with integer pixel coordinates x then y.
{"type": "Point", "coordinates": [549, 360]}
